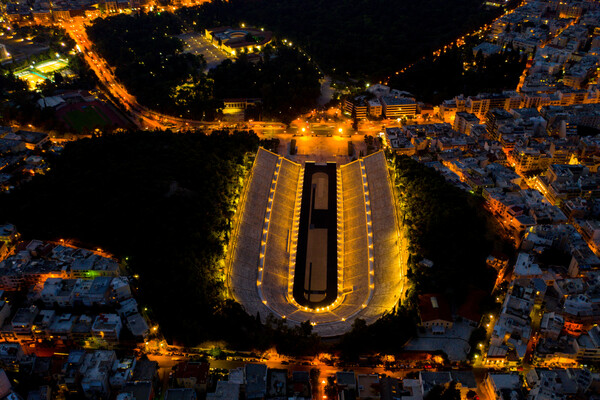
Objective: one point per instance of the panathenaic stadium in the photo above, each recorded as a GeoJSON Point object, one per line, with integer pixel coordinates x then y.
{"type": "Point", "coordinates": [317, 242]}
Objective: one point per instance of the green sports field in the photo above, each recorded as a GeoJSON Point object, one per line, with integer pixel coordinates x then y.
{"type": "Point", "coordinates": [88, 117]}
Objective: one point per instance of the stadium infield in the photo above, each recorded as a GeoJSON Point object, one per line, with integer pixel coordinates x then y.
{"type": "Point", "coordinates": [315, 280]}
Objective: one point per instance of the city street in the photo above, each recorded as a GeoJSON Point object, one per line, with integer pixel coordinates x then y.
{"type": "Point", "coordinates": [149, 119]}
{"type": "Point", "coordinates": [166, 363]}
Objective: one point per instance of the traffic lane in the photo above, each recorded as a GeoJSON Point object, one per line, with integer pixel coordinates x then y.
{"type": "Point", "coordinates": [166, 363]}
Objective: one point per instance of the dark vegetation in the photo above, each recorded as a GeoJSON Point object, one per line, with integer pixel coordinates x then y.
{"type": "Point", "coordinates": [361, 37]}
{"type": "Point", "coordinates": [152, 65]}
{"type": "Point", "coordinates": [457, 71]}
{"type": "Point", "coordinates": [387, 335]}
{"type": "Point", "coordinates": [270, 144]}
{"type": "Point", "coordinates": [441, 392]}
{"type": "Point", "coordinates": [286, 80]}
{"type": "Point", "coordinates": [162, 200]}
{"type": "Point", "coordinates": [18, 104]}
{"type": "Point", "coordinates": [150, 61]}
{"type": "Point", "coordinates": [445, 225]}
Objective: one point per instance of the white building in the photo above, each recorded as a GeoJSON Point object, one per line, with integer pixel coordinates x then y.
{"type": "Point", "coordinates": [107, 327]}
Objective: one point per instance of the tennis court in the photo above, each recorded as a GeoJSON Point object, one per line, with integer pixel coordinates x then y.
{"type": "Point", "coordinates": [38, 73]}
{"type": "Point", "coordinates": [51, 66]}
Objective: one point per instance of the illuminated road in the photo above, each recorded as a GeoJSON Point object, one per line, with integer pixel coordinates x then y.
{"type": "Point", "coordinates": [459, 41]}
{"type": "Point", "coordinates": [76, 30]}
{"type": "Point", "coordinates": [166, 362]}
{"type": "Point", "coordinates": [146, 118]}
{"type": "Point", "coordinates": [149, 119]}
{"type": "Point", "coordinates": [142, 116]}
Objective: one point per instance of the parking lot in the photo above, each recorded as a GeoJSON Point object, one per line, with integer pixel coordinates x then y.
{"type": "Point", "coordinates": [196, 43]}
{"type": "Point", "coordinates": [454, 342]}
{"type": "Point", "coordinates": [20, 48]}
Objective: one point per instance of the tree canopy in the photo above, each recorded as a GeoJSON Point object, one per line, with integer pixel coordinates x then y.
{"type": "Point", "coordinates": [361, 37]}
{"type": "Point", "coordinates": [445, 225]}
{"type": "Point", "coordinates": [152, 65]}
{"type": "Point", "coordinates": [150, 61]}
{"type": "Point", "coordinates": [162, 200]}
{"type": "Point", "coordinates": [286, 80]}
{"type": "Point", "coordinates": [458, 71]}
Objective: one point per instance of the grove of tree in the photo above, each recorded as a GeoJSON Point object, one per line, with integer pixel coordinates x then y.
{"type": "Point", "coordinates": [447, 226]}
{"type": "Point", "coordinates": [162, 201]}
{"type": "Point", "coordinates": [458, 71]}
{"type": "Point", "coordinates": [150, 60]}
{"type": "Point", "coordinates": [370, 38]}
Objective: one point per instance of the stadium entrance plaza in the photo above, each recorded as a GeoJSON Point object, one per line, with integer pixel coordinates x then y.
{"type": "Point", "coordinates": [317, 241]}
{"type": "Point", "coordinates": [317, 148]}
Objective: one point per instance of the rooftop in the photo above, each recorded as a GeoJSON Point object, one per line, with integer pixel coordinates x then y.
{"type": "Point", "coordinates": [434, 307]}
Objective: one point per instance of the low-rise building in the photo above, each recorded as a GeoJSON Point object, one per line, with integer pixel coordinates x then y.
{"type": "Point", "coordinates": [356, 107]}
{"type": "Point", "coordinates": [237, 40]}
{"type": "Point", "coordinates": [225, 391]}
{"type": "Point", "coordinates": [398, 107]}
{"type": "Point", "coordinates": [194, 375]}
{"type": "Point", "coordinates": [587, 346]}
{"type": "Point", "coordinates": [107, 327]}
{"type": "Point", "coordinates": [435, 313]}
{"type": "Point", "coordinates": [464, 121]}
{"type": "Point", "coordinates": [375, 108]}
{"type": "Point", "coordinates": [180, 394]}
{"type": "Point", "coordinates": [256, 381]}
{"type": "Point", "coordinates": [136, 391]}
{"type": "Point", "coordinates": [504, 387]}
{"type": "Point", "coordinates": [368, 386]}
{"type": "Point", "coordinates": [23, 321]}
{"type": "Point", "coordinates": [95, 370]}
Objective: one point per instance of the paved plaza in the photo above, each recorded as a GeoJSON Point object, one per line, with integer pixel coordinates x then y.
{"type": "Point", "coordinates": [197, 44]}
